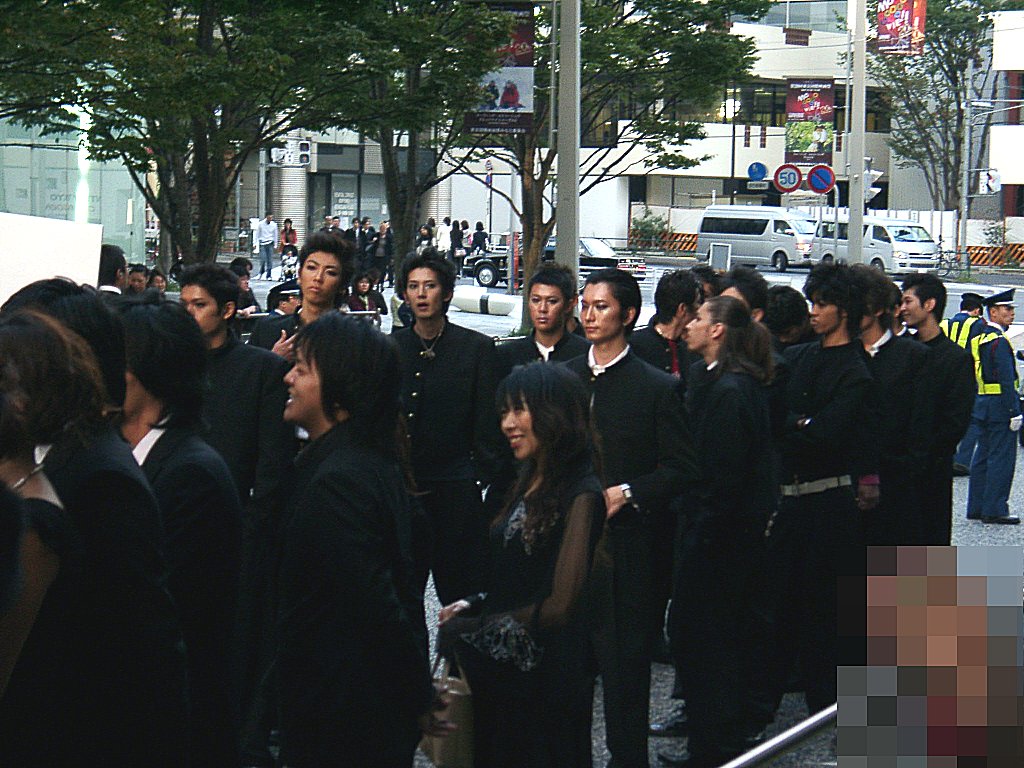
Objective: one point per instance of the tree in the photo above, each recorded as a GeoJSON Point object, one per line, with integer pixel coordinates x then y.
{"type": "Point", "coordinates": [425, 59]}
{"type": "Point", "coordinates": [929, 93]}
{"type": "Point", "coordinates": [184, 90]}
{"type": "Point", "coordinates": [647, 66]}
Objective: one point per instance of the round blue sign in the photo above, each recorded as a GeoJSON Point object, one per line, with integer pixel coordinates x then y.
{"type": "Point", "coordinates": [757, 171]}
{"type": "Point", "coordinates": [821, 179]}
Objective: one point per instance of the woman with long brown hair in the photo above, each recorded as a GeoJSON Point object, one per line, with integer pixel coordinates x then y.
{"type": "Point", "coordinates": [521, 642]}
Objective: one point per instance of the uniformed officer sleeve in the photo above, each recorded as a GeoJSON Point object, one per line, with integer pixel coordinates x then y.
{"type": "Point", "coordinates": [676, 468]}
{"type": "Point", "coordinates": [998, 365]}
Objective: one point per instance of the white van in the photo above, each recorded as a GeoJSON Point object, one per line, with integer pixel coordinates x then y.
{"type": "Point", "coordinates": [893, 245]}
{"type": "Point", "coordinates": [758, 234]}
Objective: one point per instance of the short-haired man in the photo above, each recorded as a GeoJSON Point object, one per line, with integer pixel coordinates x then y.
{"type": "Point", "coordinates": [267, 236]}
{"type": "Point", "coordinates": [113, 274]}
{"type": "Point", "coordinates": [787, 318]}
{"type": "Point", "coordinates": [830, 476]}
{"type": "Point", "coordinates": [551, 299]}
{"type": "Point", "coordinates": [136, 282]}
{"type": "Point", "coordinates": [996, 415]}
{"type": "Point", "coordinates": [952, 374]}
{"type": "Point", "coordinates": [244, 410]}
{"type": "Point", "coordinates": [448, 399]}
{"type": "Point", "coordinates": [199, 506]}
{"type": "Point", "coordinates": [904, 398]}
{"type": "Point", "coordinates": [662, 342]}
{"type": "Point", "coordinates": [648, 460]}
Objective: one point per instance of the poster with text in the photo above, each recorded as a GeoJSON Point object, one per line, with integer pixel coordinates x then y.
{"type": "Point", "coordinates": [505, 103]}
{"type": "Point", "coordinates": [901, 26]}
{"type": "Point", "coordinates": [809, 115]}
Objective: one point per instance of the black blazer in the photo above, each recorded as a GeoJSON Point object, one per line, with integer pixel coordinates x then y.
{"type": "Point", "coordinates": [522, 351]}
{"type": "Point", "coordinates": [102, 680]}
{"type": "Point", "coordinates": [268, 329]}
{"type": "Point", "coordinates": [202, 519]}
{"type": "Point", "coordinates": [352, 661]}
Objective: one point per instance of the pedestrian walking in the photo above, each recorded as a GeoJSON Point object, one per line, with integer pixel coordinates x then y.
{"type": "Point", "coordinates": [267, 236]}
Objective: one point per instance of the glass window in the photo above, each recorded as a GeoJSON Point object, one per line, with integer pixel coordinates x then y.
{"type": "Point", "coordinates": [783, 227]}
{"type": "Point", "coordinates": [879, 233]}
{"type": "Point", "coordinates": [909, 234]}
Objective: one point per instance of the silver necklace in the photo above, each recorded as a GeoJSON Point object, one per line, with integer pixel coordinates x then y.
{"type": "Point", "coordinates": [20, 482]}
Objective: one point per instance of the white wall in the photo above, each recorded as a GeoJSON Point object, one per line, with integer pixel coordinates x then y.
{"type": "Point", "coordinates": [604, 210]}
{"type": "Point", "coordinates": [1008, 41]}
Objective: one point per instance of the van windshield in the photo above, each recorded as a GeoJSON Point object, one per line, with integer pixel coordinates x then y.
{"type": "Point", "coordinates": [803, 227]}
{"type": "Point", "coordinates": [909, 234]}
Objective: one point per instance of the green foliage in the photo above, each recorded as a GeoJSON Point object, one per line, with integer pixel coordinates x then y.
{"type": "Point", "coordinates": [928, 92]}
{"type": "Point", "coordinates": [649, 229]}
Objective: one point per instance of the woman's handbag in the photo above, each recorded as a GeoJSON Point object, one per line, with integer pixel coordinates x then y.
{"type": "Point", "coordinates": [456, 749]}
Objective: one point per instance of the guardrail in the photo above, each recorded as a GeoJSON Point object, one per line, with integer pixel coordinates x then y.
{"type": "Point", "coordinates": [785, 741]}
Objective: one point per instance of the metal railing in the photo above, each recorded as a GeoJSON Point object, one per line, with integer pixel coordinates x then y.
{"type": "Point", "coordinates": [785, 741]}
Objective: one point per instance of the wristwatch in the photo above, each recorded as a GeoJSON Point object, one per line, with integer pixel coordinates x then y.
{"type": "Point", "coordinates": [627, 493]}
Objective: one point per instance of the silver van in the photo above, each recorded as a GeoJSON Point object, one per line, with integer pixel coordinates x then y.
{"type": "Point", "coordinates": [897, 246]}
{"type": "Point", "coordinates": [758, 234]}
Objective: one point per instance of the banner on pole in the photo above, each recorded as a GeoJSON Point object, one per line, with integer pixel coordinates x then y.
{"type": "Point", "coordinates": [901, 26]}
{"type": "Point", "coordinates": [809, 112]}
{"type": "Point", "coordinates": [506, 101]}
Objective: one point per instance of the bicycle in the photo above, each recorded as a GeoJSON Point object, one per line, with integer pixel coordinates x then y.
{"type": "Point", "coordinates": [953, 264]}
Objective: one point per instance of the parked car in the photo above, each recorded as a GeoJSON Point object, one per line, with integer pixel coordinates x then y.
{"type": "Point", "coordinates": [892, 245]}
{"type": "Point", "coordinates": [758, 234]}
{"type": "Point", "coordinates": [491, 268]}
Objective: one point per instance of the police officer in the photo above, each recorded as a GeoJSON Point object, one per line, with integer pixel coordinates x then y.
{"type": "Point", "coordinates": [964, 326]}
{"type": "Point", "coordinates": [996, 416]}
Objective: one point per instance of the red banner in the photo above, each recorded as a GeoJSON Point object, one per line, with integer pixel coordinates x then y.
{"type": "Point", "coordinates": [901, 26]}
{"type": "Point", "coordinates": [809, 111]}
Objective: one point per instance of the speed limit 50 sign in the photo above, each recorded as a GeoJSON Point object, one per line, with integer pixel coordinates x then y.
{"type": "Point", "coordinates": [788, 178]}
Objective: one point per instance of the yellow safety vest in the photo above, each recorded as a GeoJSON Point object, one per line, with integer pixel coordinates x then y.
{"type": "Point", "coordinates": [988, 387]}
{"type": "Point", "coordinates": [958, 330]}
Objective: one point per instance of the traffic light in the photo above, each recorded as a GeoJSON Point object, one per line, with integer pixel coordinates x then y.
{"type": "Point", "coordinates": [305, 153]}
{"type": "Point", "coordinates": [870, 177]}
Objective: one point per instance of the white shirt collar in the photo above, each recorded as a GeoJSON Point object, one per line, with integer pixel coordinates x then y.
{"type": "Point", "coordinates": [712, 365]}
{"type": "Point", "coordinates": [596, 368]}
{"type": "Point", "coordinates": [145, 445]}
{"type": "Point", "coordinates": [545, 352]}
{"type": "Point", "coordinates": [873, 349]}
{"type": "Point", "coordinates": [110, 288]}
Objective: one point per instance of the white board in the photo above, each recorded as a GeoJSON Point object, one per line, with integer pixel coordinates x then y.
{"type": "Point", "coordinates": [35, 248]}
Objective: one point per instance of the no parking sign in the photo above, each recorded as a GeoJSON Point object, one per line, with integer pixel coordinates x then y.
{"type": "Point", "coordinates": [821, 179]}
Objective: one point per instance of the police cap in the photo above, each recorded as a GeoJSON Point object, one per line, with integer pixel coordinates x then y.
{"type": "Point", "coordinates": [1001, 299]}
{"type": "Point", "coordinates": [969, 301]}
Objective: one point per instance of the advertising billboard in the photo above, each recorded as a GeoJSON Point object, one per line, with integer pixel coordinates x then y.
{"type": "Point", "coordinates": [506, 94]}
{"type": "Point", "coordinates": [810, 107]}
{"type": "Point", "coordinates": [901, 26]}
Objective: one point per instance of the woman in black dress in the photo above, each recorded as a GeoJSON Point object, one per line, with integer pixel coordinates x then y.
{"type": "Point", "coordinates": [353, 674]}
{"type": "Point", "coordinates": [523, 643]}
{"type": "Point", "coordinates": [92, 648]}
{"type": "Point", "coordinates": [722, 532]}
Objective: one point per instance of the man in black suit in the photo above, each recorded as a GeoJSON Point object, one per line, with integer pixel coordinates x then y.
{"type": "Point", "coordinates": [448, 390]}
{"type": "Point", "coordinates": [199, 505]}
{"type": "Point", "coordinates": [662, 343]}
{"type": "Point", "coordinates": [648, 460]}
{"type": "Point", "coordinates": [243, 411]}
{"type": "Point", "coordinates": [551, 299]}
{"type": "Point", "coordinates": [952, 371]}
{"type": "Point", "coordinates": [904, 398]}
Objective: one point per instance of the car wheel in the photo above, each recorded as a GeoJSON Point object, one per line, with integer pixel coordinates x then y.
{"type": "Point", "coordinates": [827, 259]}
{"type": "Point", "coordinates": [878, 264]}
{"type": "Point", "coordinates": [487, 275]}
{"type": "Point", "coordinates": [780, 261]}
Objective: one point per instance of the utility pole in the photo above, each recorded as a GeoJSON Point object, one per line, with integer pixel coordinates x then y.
{"type": "Point", "coordinates": [567, 215]}
{"type": "Point", "coordinates": [856, 151]}
{"type": "Point", "coordinates": [965, 161]}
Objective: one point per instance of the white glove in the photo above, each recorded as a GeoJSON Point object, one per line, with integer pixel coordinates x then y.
{"type": "Point", "coordinates": [1015, 423]}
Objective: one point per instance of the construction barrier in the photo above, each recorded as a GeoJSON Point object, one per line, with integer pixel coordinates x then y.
{"type": "Point", "coordinates": [670, 241]}
{"type": "Point", "coordinates": [996, 256]}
